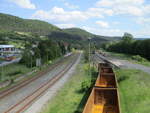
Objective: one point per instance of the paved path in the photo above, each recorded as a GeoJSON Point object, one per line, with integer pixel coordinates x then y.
{"type": "Point", "coordinates": [127, 64]}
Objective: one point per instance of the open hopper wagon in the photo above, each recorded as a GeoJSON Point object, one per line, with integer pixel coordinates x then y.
{"type": "Point", "coordinates": [104, 95]}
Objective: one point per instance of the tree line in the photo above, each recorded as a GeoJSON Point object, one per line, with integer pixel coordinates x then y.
{"type": "Point", "coordinates": [128, 45]}
{"type": "Point", "coordinates": [45, 50]}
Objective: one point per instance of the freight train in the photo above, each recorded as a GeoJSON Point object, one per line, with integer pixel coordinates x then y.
{"type": "Point", "coordinates": [104, 97]}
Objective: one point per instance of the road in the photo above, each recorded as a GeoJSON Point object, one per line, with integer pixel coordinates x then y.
{"type": "Point", "coordinates": [18, 95]}
{"type": "Point", "coordinates": [127, 64]}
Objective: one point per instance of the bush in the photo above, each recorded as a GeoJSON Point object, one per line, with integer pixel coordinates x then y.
{"type": "Point", "coordinates": [15, 73]}
{"type": "Point", "coordinates": [85, 85]}
{"type": "Point", "coordinates": [86, 56]}
{"type": "Point", "coordinates": [122, 78]}
{"type": "Point", "coordinates": [138, 58]}
{"type": "Point", "coordinates": [78, 111]}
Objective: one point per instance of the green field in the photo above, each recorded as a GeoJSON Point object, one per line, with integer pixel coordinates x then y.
{"type": "Point", "coordinates": [70, 99]}
{"type": "Point", "coordinates": [13, 70]}
{"type": "Point", "coordinates": [134, 90]}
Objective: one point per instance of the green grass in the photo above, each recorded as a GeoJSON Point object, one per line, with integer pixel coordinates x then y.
{"type": "Point", "coordinates": [24, 70]}
{"type": "Point", "coordinates": [14, 70]}
{"type": "Point", "coordinates": [129, 58]}
{"type": "Point", "coordinates": [70, 99]}
{"type": "Point", "coordinates": [134, 89]}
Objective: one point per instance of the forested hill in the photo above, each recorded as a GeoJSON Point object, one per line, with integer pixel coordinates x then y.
{"type": "Point", "coordinates": [13, 23]}
{"type": "Point", "coordinates": [83, 33]}
{"type": "Point", "coordinates": [79, 32]}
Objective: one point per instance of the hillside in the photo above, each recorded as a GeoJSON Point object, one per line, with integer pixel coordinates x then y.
{"type": "Point", "coordinates": [79, 32]}
{"type": "Point", "coordinates": [76, 36]}
{"type": "Point", "coordinates": [85, 34]}
{"type": "Point", "coordinates": [13, 23]}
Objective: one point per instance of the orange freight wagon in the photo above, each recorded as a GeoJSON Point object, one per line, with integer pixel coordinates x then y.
{"type": "Point", "coordinates": [104, 97]}
{"type": "Point", "coordinates": [102, 100]}
{"type": "Point", "coordinates": [106, 80]}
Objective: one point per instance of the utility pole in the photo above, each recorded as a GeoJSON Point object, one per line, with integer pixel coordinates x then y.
{"type": "Point", "coordinates": [31, 61]}
{"type": "Point", "coordinates": [89, 58]}
{"type": "Point", "coordinates": [2, 73]}
{"type": "Point", "coordinates": [32, 53]}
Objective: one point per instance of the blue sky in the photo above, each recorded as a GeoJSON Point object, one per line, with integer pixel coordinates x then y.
{"type": "Point", "coordinates": [102, 17]}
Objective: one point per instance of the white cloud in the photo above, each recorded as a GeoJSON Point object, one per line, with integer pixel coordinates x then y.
{"type": "Point", "coordinates": [65, 25]}
{"type": "Point", "coordinates": [138, 9]}
{"type": "Point", "coordinates": [24, 4]}
{"type": "Point", "coordinates": [58, 14]}
{"type": "Point", "coordinates": [104, 32]}
{"type": "Point", "coordinates": [132, 7]}
{"type": "Point", "coordinates": [143, 21]}
{"type": "Point", "coordinates": [146, 9]}
{"type": "Point", "coordinates": [100, 12]}
{"type": "Point", "coordinates": [132, 10]}
{"type": "Point", "coordinates": [117, 32]}
{"type": "Point", "coordinates": [108, 3]}
{"type": "Point", "coordinates": [103, 24]}
{"type": "Point", "coordinates": [116, 23]}
{"type": "Point", "coordinates": [104, 3]}
{"type": "Point", "coordinates": [143, 32]}
{"type": "Point", "coordinates": [71, 6]}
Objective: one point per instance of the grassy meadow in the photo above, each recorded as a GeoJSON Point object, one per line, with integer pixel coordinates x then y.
{"type": "Point", "coordinates": [134, 89]}
{"type": "Point", "coordinates": [13, 70]}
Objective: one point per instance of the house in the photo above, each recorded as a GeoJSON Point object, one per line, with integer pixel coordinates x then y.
{"type": "Point", "coordinates": [7, 49]}
{"type": "Point", "coordinates": [8, 52]}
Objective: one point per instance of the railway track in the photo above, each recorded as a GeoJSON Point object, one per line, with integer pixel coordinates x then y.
{"type": "Point", "coordinates": [21, 84]}
{"type": "Point", "coordinates": [23, 104]}
{"type": "Point", "coordinates": [27, 100]}
{"type": "Point", "coordinates": [104, 97]}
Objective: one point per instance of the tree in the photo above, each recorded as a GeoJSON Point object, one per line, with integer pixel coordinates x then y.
{"type": "Point", "coordinates": [130, 46]}
{"type": "Point", "coordinates": [127, 37]}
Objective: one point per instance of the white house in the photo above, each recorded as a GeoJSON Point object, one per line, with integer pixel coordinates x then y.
{"type": "Point", "coordinates": [7, 48]}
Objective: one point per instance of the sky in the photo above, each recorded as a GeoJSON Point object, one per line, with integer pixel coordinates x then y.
{"type": "Point", "coordinates": [101, 17]}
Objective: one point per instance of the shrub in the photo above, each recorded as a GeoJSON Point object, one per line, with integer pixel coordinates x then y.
{"type": "Point", "coordinates": [138, 58]}
{"type": "Point", "coordinates": [15, 73]}
{"type": "Point", "coordinates": [86, 56]}
{"type": "Point", "coordinates": [122, 78]}
{"type": "Point", "coordinates": [78, 111]}
{"type": "Point", "coordinates": [85, 85]}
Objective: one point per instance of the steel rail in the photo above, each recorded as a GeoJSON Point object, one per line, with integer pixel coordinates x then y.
{"type": "Point", "coordinates": [37, 93]}
{"type": "Point", "coordinates": [27, 81]}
